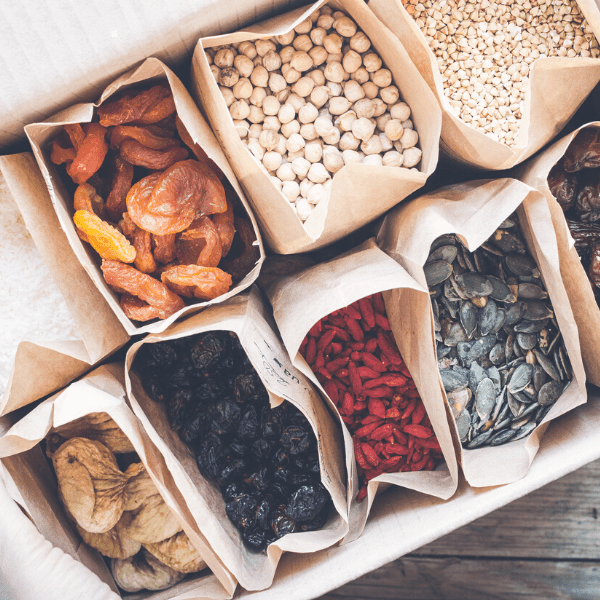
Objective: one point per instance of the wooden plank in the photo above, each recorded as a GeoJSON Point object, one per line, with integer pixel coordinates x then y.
{"type": "Point", "coordinates": [418, 578]}
{"type": "Point", "coordinates": [558, 521]}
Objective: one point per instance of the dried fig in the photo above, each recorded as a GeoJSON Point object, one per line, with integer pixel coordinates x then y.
{"type": "Point", "coordinates": [152, 519]}
{"type": "Point", "coordinates": [178, 553]}
{"type": "Point", "coordinates": [99, 427]}
{"type": "Point", "coordinates": [114, 543]}
{"type": "Point", "coordinates": [90, 483]}
{"type": "Point", "coordinates": [143, 572]}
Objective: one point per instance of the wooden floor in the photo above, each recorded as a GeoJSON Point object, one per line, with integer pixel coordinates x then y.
{"type": "Point", "coordinates": [545, 546]}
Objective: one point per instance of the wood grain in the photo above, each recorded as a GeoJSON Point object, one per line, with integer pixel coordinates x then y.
{"type": "Point", "coordinates": [545, 546]}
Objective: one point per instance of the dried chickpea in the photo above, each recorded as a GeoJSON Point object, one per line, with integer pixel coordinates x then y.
{"type": "Point", "coordinates": [317, 76]}
{"type": "Point", "coordinates": [271, 61]}
{"type": "Point", "coordinates": [291, 190]}
{"type": "Point", "coordinates": [306, 185]}
{"type": "Point", "coordinates": [370, 89]}
{"type": "Point", "coordinates": [283, 95]}
{"type": "Point", "coordinates": [323, 126]}
{"type": "Point", "coordinates": [257, 150]}
{"type": "Point", "coordinates": [240, 110]}
{"type": "Point", "coordinates": [303, 43]}
{"type": "Point", "coordinates": [260, 77]}
{"type": "Point", "coordinates": [393, 130]}
{"type": "Point", "coordinates": [359, 42]}
{"type": "Point", "coordinates": [303, 87]}
{"type": "Point", "coordinates": [317, 35]}
{"type": "Point", "coordinates": [392, 159]}
{"type": "Point", "coordinates": [373, 160]}
{"type": "Point", "coordinates": [216, 72]}
{"type": "Point", "coordinates": [286, 38]}
{"type": "Point", "coordinates": [264, 46]}
{"type": "Point", "coordinates": [292, 156]}
{"type": "Point", "coordinates": [334, 72]}
{"type": "Point", "coordinates": [353, 91]}
{"type": "Point", "coordinates": [290, 74]}
{"type": "Point", "coordinates": [335, 89]}
{"type": "Point", "coordinates": [271, 122]}
{"type": "Point", "coordinates": [209, 56]}
{"type": "Point", "coordinates": [300, 166]}
{"type": "Point", "coordinates": [349, 141]}
{"type": "Point", "coordinates": [362, 128]}
{"type": "Point", "coordinates": [295, 142]}
{"type": "Point", "coordinates": [364, 108]}
{"type": "Point", "coordinates": [319, 96]}
{"type": "Point", "coordinates": [286, 54]}
{"type": "Point", "coordinates": [276, 182]}
{"type": "Point", "coordinates": [301, 61]}
{"type": "Point", "coordinates": [318, 55]}
{"type": "Point", "coordinates": [400, 111]}
{"type": "Point", "coordinates": [257, 61]}
{"type": "Point", "coordinates": [382, 120]}
{"type": "Point", "coordinates": [247, 49]}
{"type": "Point", "coordinates": [303, 208]}
{"type": "Point", "coordinates": [296, 101]}
{"type": "Point", "coordinates": [361, 75]}
{"type": "Point", "coordinates": [227, 96]}
{"type": "Point", "coordinates": [317, 193]}
{"type": "Point", "coordinates": [409, 139]}
{"type": "Point", "coordinates": [308, 113]}
{"type": "Point", "coordinates": [256, 115]}
{"type": "Point", "coordinates": [276, 82]}
{"type": "Point", "coordinates": [244, 65]}
{"type": "Point", "coordinates": [286, 172]}
{"type": "Point", "coordinates": [325, 21]}
{"type": "Point", "coordinates": [258, 96]}
{"type": "Point", "coordinates": [318, 173]}
{"type": "Point", "coordinates": [386, 143]}
{"type": "Point", "coordinates": [268, 139]}
{"type": "Point", "coordinates": [352, 61]}
{"type": "Point", "coordinates": [380, 107]}
{"type": "Point", "coordinates": [334, 57]}
{"type": "Point", "coordinates": [308, 132]}
{"type": "Point", "coordinates": [372, 62]}
{"type": "Point", "coordinates": [281, 145]}
{"type": "Point", "coordinates": [224, 58]}
{"type": "Point", "coordinates": [351, 156]}
{"type": "Point", "coordinates": [333, 43]}
{"type": "Point", "coordinates": [344, 122]}
{"type": "Point", "coordinates": [389, 94]}
{"type": "Point", "coordinates": [339, 105]}
{"type": "Point", "coordinates": [243, 89]}
{"type": "Point", "coordinates": [270, 105]}
{"type": "Point", "coordinates": [255, 130]}
{"type": "Point", "coordinates": [304, 27]}
{"type": "Point", "coordinates": [382, 78]}
{"type": "Point", "coordinates": [411, 157]}
{"type": "Point", "coordinates": [241, 127]}
{"type": "Point", "coordinates": [272, 161]}
{"type": "Point", "coordinates": [313, 151]}
{"type": "Point", "coordinates": [290, 127]}
{"type": "Point", "coordinates": [333, 137]}
{"type": "Point", "coordinates": [332, 159]}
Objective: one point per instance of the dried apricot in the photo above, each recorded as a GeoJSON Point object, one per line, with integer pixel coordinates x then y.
{"type": "Point", "coordinates": [158, 111]}
{"type": "Point", "coordinates": [119, 186]}
{"type": "Point", "coordinates": [224, 222]}
{"type": "Point", "coordinates": [86, 198]}
{"type": "Point", "coordinates": [107, 241]}
{"type": "Point", "coordinates": [199, 153]}
{"type": "Point", "coordinates": [151, 138]}
{"type": "Point", "coordinates": [129, 279]}
{"type": "Point", "coordinates": [248, 256]}
{"type": "Point", "coordinates": [76, 134]}
{"type": "Point", "coordinates": [205, 283]}
{"type": "Point", "coordinates": [165, 250]}
{"type": "Point", "coordinates": [131, 106]}
{"type": "Point", "coordinates": [90, 154]}
{"type": "Point", "coordinates": [200, 244]}
{"type": "Point", "coordinates": [144, 260]}
{"type": "Point", "coordinates": [138, 310]}
{"type": "Point", "coordinates": [136, 153]}
{"type": "Point", "coordinates": [61, 153]}
{"type": "Point", "coordinates": [185, 191]}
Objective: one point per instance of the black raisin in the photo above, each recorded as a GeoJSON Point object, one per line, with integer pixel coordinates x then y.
{"type": "Point", "coordinates": [307, 502]}
{"type": "Point", "coordinates": [318, 521]}
{"type": "Point", "coordinates": [272, 421]}
{"type": "Point", "coordinates": [255, 538]}
{"type": "Point", "coordinates": [226, 415]}
{"type": "Point", "coordinates": [260, 479]}
{"type": "Point", "coordinates": [248, 427]}
{"type": "Point", "coordinates": [180, 404]}
{"type": "Point", "coordinates": [207, 349]}
{"type": "Point", "coordinates": [261, 449]}
{"type": "Point", "coordinates": [231, 470]}
{"type": "Point", "coordinates": [281, 523]}
{"type": "Point", "coordinates": [242, 510]}
{"type": "Point", "coordinates": [295, 439]}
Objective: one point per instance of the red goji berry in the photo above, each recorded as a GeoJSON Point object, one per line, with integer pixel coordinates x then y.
{"type": "Point", "coordinates": [336, 347]}
{"type": "Point", "coordinates": [356, 346]}
{"type": "Point", "coordinates": [378, 303]}
{"type": "Point", "coordinates": [382, 322]}
{"type": "Point", "coordinates": [360, 457]}
{"type": "Point", "coordinates": [358, 406]}
{"type": "Point", "coordinates": [315, 330]}
{"type": "Point", "coordinates": [341, 373]}
{"type": "Point", "coordinates": [311, 351]}
{"type": "Point", "coordinates": [352, 313]}
{"type": "Point", "coordinates": [348, 419]}
{"type": "Point", "coordinates": [392, 413]}
{"type": "Point", "coordinates": [376, 407]}
{"type": "Point", "coordinates": [354, 329]}
{"type": "Point", "coordinates": [337, 321]}
{"type": "Point", "coordinates": [348, 404]}
{"type": "Point", "coordinates": [339, 331]}
{"type": "Point", "coordinates": [417, 456]}
{"type": "Point", "coordinates": [378, 392]}
{"type": "Point", "coordinates": [413, 394]}
{"type": "Point", "coordinates": [382, 432]}
{"type": "Point", "coordinates": [362, 493]}
{"type": "Point", "coordinates": [396, 449]}
{"type": "Point", "coordinates": [323, 371]}
{"type": "Point", "coordinates": [355, 355]}
{"type": "Point", "coordinates": [366, 310]}
{"type": "Point", "coordinates": [371, 419]}
{"type": "Point", "coordinates": [418, 431]}
{"type": "Point", "coordinates": [355, 379]}
{"type": "Point", "coordinates": [388, 348]}
{"type": "Point", "coordinates": [304, 342]}
{"type": "Point", "coordinates": [325, 339]}
{"type": "Point", "coordinates": [332, 391]}
{"type": "Point", "coordinates": [389, 379]}
{"type": "Point", "coordinates": [389, 464]}
{"type": "Point", "coordinates": [371, 345]}
{"type": "Point", "coordinates": [372, 362]}
{"type": "Point", "coordinates": [334, 365]}
{"type": "Point", "coordinates": [370, 454]}
{"type": "Point", "coordinates": [418, 414]}
{"type": "Point", "coordinates": [372, 474]}
{"type": "Point", "coordinates": [430, 443]}
{"type": "Point", "coordinates": [367, 373]}
{"type": "Point", "coordinates": [409, 408]}
{"type": "Point", "coordinates": [319, 362]}
{"type": "Point", "coordinates": [417, 466]}
{"type": "Point", "coordinates": [398, 400]}
{"type": "Point", "coordinates": [366, 430]}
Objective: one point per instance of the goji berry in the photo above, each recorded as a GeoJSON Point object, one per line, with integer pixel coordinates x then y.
{"type": "Point", "coordinates": [418, 431]}
{"type": "Point", "coordinates": [315, 330]}
{"type": "Point", "coordinates": [366, 430]}
{"type": "Point", "coordinates": [325, 339]}
{"type": "Point", "coordinates": [370, 454]}
{"type": "Point", "coordinates": [348, 404]}
{"type": "Point", "coordinates": [382, 322]}
{"type": "Point", "coordinates": [332, 391]}
{"type": "Point", "coordinates": [418, 414]}
{"type": "Point", "coordinates": [376, 407]}
{"type": "Point", "coordinates": [366, 310]}
{"type": "Point", "coordinates": [311, 351]}
{"type": "Point", "coordinates": [378, 303]}
{"type": "Point", "coordinates": [354, 328]}
{"type": "Point", "coordinates": [355, 380]}
{"type": "Point", "coordinates": [362, 493]}
{"type": "Point", "coordinates": [382, 432]}
{"type": "Point", "coordinates": [373, 362]}
{"type": "Point", "coordinates": [352, 313]}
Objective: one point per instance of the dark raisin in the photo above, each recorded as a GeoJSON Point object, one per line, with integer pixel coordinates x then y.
{"type": "Point", "coordinates": [260, 479]}
{"type": "Point", "coordinates": [249, 426]}
{"type": "Point", "coordinates": [272, 421]}
{"type": "Point", "coordinates": [281, 523]}
{"type": "Point", "coordinates": [295, 439]}
{"type": "Point", "coordinates": [255, 538]}
{"type": "Point", "coordinates": [226, 415]}
{"type": "Point", "coordinates": [318, 522]}
{"type": "Point", "coordinates": [231, 470]}
{"type": "Point", "coordinates": [180, 405]}
{"type": "Point", "coordinates": [195, 428]}
{"type": "Point", "coordinates": [307, 502]}
{"type": "Point", "coordinates": [242, 510]}
{"type": "Point", "coordinates": [208, 348]}
{"type": "Point", "coordinates": [261, 449]}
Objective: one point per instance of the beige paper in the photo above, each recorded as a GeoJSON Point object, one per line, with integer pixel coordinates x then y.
{"type": "Point", "coordinates": [302, 299]}
{"type": "Point", "coordinates": [360, 193]}
{"type": "Point", "coordinates": [473, 211]}
{"type": "Point", "coordinates": [247, 316]}
{"type": "Point", "coordinates": [103, 390]}
{"type": "Point", "coordinates": [556, 89]}
{"type": "Point", "coordinates": [585, 309]}
{"type": "Point", "coordinates": [41, 134]}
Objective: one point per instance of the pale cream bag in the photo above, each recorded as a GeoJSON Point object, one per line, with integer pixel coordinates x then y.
{"type": "Point", "coordinates": [360, 193]}
{"type": "Point", "coordinates": [473, 211]}
{"type": "Point", "coordinates": [556, 89]}
{"type": "Point", "coordinates": [585, 309]}
{"type": "Point", "coordinates": [102, 391]}
{"type": "Point", "coordinates": [41, 134]}
{"type": "Point", "coordinates": [246, 315]}
{"type": "Point", "coordinates": [302, 299]}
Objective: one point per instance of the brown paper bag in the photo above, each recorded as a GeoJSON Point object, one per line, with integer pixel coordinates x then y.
{"type": "Point", "coordinates": [585, 309]}
{"type": "Point", "coordinates": [557, 88]}
{"type": "Point", "coordinates": [103, 391]}
{"type": "Point", "coordinates": [302, 299]}
{"type": "Point", "coordinates": [247, 316]}
{"type": "Point", "coordinates": [473, 211]}
{"type": "Point", "coordinates": [360, 193]}
{"type": "Point", "coordinates": [41, 134]}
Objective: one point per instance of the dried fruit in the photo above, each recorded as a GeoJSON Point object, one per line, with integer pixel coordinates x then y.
{"type": "Point", "coordinates": [144, 572]}
{"type": "Point", "coordinates": [178, 553]}
{"type": "Point", "coordinates": [90, 483]}
{"type": "Point", "coordinates": [138, 310]}
{"type": "Point", "coordinates": [107, 241]}
{"type": "Point", "coordinates": [114, 543]}
{"type": "Point", "coordinates": [132, 106]}
{"type": "Point", "coordinates": [144, 135]}
{"type": "Point", "coordinates": [242, 261]}
{"type": "Point", "coordinates": [148, 289]}
{"type": "Point", "coordinates": [205, 283]}
{"type": "Point", "coordinates": [90, 155]}
{"type": "Point", "coordinates": [119, 186]}
{"type": "Point", "coordinates": [200, 244]}
{"type": "Point", "coordinates": [185, 191]}
{"type": "Point", "coordinates": [136, 153]}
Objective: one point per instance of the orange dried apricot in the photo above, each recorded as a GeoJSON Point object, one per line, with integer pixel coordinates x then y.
{"type": "Point", "coordinates": [107, 241]}
{"type": "Point", "coordinates": [138, 310]}
{"type": "Point", "coordinates": [165, 250]}
{"type": "Point", "coordinates": [205, 283]}
{"type": "Point", "coordinates": [185, 191]}
{"type": "Point", "coordinates": [144, 260]}
{"type": "Point", "coordinates": [240, 266]}
{"type": "Point", "coordinates": [200, 244]}
{"type": "Point", "coordinates": [137, 154]}
{"type": "Point", "coordinates": [224, 222]}
{"type": "Point", "coordinates": [86, 198]}
{"type": "Point", "coordinates": [120, 184]}
{"type": "Point", "coordinates": [151, 138]}
{"type": "Point", "coordinates": [132, 105]}
{"type": "Point", "coordinates": [90, 154]}
{"type": "Point", "coordinates": [145, 287]}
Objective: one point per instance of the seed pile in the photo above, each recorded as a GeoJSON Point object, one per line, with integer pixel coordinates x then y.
{"type": "Point", "coordinates": [485, 50]}
{"type": "Point", "coordinates": [264, 460]}
{"type": "Point", "coordinates": [500, 353]}
{"type": "Point", "coordinates": [310, 101]}
{"type": "Point", "coordinates": [354, 355]}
